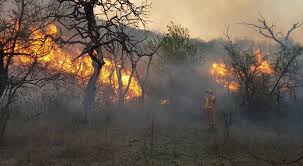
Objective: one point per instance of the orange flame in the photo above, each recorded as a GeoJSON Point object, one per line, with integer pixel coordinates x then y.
{"type": "Point", "coordinates": [224, 75]}
{"type": "Point", "coordinates": [262, 65]}
{"type": "Point", "coordinates": [60, 60]}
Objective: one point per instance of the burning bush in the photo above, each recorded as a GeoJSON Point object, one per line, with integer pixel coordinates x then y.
{"type": "Point", "coordinates": [256, 75]}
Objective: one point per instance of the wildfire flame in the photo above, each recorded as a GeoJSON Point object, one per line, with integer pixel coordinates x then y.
{"type": "Point", "coordinates": [224, 75]}
{"type": "Point", "coordinates": [263, 66]}
{"type": "Point", "coordinates": [60, 60]}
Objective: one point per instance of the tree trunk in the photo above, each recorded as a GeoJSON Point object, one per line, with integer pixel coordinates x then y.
{"type": "Point", "coordinates": [97, 62]}
{"type": "Point", "coordinates": [142, 84]}
{"type": "Point", "coordinates": [90, 92]}
{"type": "Point", "coordinates": [121, 96]}
{"type": "Point", "coordinates": [3, 85]}
{"type": "Point", "coordinates": [3, 73]}
{"type": "Point", "coordinates": [246, 95]}
{"type": "Point", "coordinates": [122, 92]}
{"type": "Point", "coordinates": [142, 94]}
{"type": "Point", "coordinates": [4, 116]}
{"type": "Point", "coordinates": [121, 103]}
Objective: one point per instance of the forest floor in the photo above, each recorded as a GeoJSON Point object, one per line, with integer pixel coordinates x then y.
{"type": "Point", "coordinates": [138, 140]}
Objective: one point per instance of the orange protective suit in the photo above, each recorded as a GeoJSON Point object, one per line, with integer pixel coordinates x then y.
{"type": "Point", "coordinates": [209, 108]}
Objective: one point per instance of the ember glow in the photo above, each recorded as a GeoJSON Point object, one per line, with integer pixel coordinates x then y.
{"type": "Point", "coordinates": [60, 60]}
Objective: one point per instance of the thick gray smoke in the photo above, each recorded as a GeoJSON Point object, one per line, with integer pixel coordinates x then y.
{"type": "Point", "coordinates": [207, 19]}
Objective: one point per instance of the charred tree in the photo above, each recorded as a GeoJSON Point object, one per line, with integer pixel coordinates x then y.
{"type": "Point", "coordinates": [143, 78]}
{"type": "Point", "coordinates": [91, 86]}
{"type": "Point", "coordinates": [3, 71]}
{"type": "Point", "coordinates": [18, 40]}
{"type": "Point", "coordinates": [95, 24]}
{"type": "Point", "coordinates": [283, 67]}
{"type": "Point", "coordinates": [246, 70]}
{"type": "Point", "coordinates": [121, 78]}
{"type": "Point", "coordinates": [285, 64]}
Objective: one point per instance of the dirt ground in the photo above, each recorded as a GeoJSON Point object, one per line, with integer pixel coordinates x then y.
{"type": "Point", "coordinates": [139, 139]}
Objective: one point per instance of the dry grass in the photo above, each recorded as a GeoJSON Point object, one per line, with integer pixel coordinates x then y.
{"type": "Point", "coordinates": [130, 139]}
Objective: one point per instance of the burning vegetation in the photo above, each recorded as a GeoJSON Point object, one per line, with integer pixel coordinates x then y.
{"type": "Point", "coordinates": [262, 65]}
{"type": "Point", "coordinates": [223, 75]}
{"type": "Point", "coordinates": [98, 46]}
{"type": "Point", "coordinates": [58, 59]}
{"type": "Point", "coordinates": [227, 76]}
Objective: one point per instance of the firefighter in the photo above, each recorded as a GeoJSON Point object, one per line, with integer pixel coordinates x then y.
{"type": "Point", "coordinates": [209, 108]}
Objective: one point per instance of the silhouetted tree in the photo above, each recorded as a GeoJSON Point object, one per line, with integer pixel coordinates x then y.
{"type": "Point", "coordinates": [19, 40]}
{"type": "Point", "coordinates": [96, 24]}
{"type": "Point", "coordinates": [248, 64]}
{"type": "Point", "coordinates": [286, 60]}
{"type": "Point", "coordinates": [121, 63]}
{"type": "Point", "coordinates": [247, 70]}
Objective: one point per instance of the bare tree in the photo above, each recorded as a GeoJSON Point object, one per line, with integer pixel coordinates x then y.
{"type": "Point", "coordinates": [246, 68]}
{"type": "Point", "coordinates": [96, 24]}
{"type": "Point", "coordinates": [143, 77]}
{"type": "Point", "coordinates": [131, 66]}
{"type": "Point", "coordinates": [137, 65]}
{"type": "Point", "coordinates": [120, 65]}
{"type": "Point", "coordinates": [229, 115]}
{"type": "Point", "coordinates": [20, 51]}
{"type": "Point", "coordinates": [282, 73]}
{"type": "Point", "coordinates": [286, 64]}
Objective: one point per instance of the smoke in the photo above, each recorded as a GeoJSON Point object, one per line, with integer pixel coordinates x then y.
{"type": "Point", "coordinates": [207, 19]}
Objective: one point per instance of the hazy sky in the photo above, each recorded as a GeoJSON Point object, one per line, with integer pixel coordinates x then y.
{"type": "Point", "coordinates": [207, 19]}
